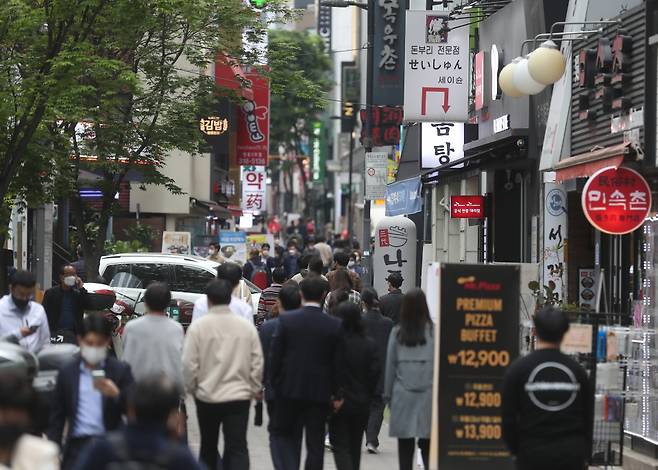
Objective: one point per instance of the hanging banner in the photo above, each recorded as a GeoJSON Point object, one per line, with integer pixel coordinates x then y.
{"type": "Point", "coordinates": [233, 246]}
{"type": "Point", "coordinates": [376, 175]}
{"type": "Point", "coordinates": [388, 50]}
{"type": "Point", "coordinates": [555, 238]}
{"type": "Point", "coordinates": [395, 252]}
{"type": "Point", "coordinates": [404, 197]}
{"type": "Point", "coordinates": [436, 76]}
{"type": "Point", "coordinates": [441, 143]}
{"type": "Point", "coordinates": [254, 189]}
{"type": "Point", "coordinates": [254, 123]}
{"type": "Point", "coordinates": [318, 151]}
{"type": "Point", "coordinates": [479, 339]}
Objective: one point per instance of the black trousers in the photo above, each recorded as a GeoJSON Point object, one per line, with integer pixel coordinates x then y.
{"type": "Point", "coordinates": [346, 430]}
{"type": "Point", "coordinates": [72, 451]}
{"type": "Point", "coordinates": [375, 420]}
{"type": "Point", "coordinates": [407, 452]}
{"type": "Point", "coordinates": [275, 439]}
{"type": "Point", "coordinates": [294, 419]}
{"type": "Point", "coordinates": [234, 417]}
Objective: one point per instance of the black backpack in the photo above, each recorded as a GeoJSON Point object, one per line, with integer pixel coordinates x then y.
{"type": "Point", "coordinates": [128, 459]}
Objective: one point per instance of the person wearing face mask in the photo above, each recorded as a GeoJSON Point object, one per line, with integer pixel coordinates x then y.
{"type": "Point", "coordinates": [90, 393]}
{"type": "Point", "coordinates": [18, 449]}
{"type": "Point", "coordinates": [214, 254]}
{"type": "Point", "coordinates": [21, 319]}
{"type": "Point", "coordinates": [291, 259]}
{"type": "Point", "coordinates": [65, 305]}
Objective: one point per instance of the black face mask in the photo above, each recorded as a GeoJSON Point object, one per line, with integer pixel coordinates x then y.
{"type": "Point", "coordinates": [9, 434]}
{"type": "Point", "coordinates": [20, 303]}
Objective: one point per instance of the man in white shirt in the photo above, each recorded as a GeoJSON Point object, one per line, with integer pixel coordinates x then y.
{"type": "Point", "coordinates": [232, 273]}
{"type": "Point", "coordinates": [21, 318]}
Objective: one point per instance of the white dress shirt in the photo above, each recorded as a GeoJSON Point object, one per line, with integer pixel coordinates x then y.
{"type": "Point", "coordinates": [12, 319]}
{"type": "Point", "coordinates": [237, 306]}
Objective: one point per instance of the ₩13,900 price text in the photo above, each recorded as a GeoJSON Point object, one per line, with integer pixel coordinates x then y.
{"type": "Point", "coordinates": [481, 358]}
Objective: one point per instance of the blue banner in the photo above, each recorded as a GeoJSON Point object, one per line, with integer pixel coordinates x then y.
{"type": "Point", "coordinates": [404, 197]}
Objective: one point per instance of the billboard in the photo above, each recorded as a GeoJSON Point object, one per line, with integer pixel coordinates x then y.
{"type": "Point", "coordinates": [254, 123]}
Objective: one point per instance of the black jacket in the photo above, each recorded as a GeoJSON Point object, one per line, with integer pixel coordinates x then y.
{"type": "Point", "coordinates": [358, 371]}
{"type": "Point", "coordinates": [52, 304]}
{"type": "Point", "coordinates": [64, 405]}
{"type": "Point", "coordinates": [378, 328]}
{"type": "Point", "coordinates": [390, 304]}
{"type": "Point", "coordinates": [303, 355]}
{"type": "Point", "coordinates": [266, 333]}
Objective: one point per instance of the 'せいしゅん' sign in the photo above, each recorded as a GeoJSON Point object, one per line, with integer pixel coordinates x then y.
{"type": "Point", "coordinates": [479, 327]}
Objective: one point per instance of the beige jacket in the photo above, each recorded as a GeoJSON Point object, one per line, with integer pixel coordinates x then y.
{"type": "Point", "coordinates": [222, 358]}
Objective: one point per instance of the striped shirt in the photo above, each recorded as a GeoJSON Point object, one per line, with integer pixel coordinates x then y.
{"type": "Point", "coordinates": [266, 303]}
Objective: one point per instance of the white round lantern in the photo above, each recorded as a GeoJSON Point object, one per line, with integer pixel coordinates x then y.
{"type": "Point", "coordinates": [546, 64]}
{"type": "Point", "coordinates": [523, 81]}
{"type": "Point", "coordinates": [506, 80]}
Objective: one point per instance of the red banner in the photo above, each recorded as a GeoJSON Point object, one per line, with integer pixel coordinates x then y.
{"type": "Point", "coordinates": [479, 80]}
{"type": "Point", "coordinates": [467, 207]}
{"type": "Point", "coordinates": [254, 123]}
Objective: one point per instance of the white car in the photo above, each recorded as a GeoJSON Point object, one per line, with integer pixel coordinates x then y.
{"type": "Point", "coordinates": [187, 276]}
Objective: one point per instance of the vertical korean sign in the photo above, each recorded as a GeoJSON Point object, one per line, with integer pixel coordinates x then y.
{"type": "Point", "coordinates": [254, 189]}
{"type": "Point", "coordinates": [254, 123]}
{"type": "Point", "coordinates": [555, 238]}
{"type": "Point", "coordinates": [479, 328]}
{"type": "Point", "coordinates": [441, 143]}
{"type": "Point", "coordinates": [318, 151]}
{"type": "Point", "coordinates": [436, 69]}
{"type": "Point", "coordinates": [388, 63]}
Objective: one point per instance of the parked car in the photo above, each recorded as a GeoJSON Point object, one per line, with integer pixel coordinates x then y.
{"type": "Point", "coordinates": [130, 274]}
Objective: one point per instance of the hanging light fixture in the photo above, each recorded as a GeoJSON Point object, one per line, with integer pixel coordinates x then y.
{"type": "Point", "coordinates": [506, 80]}
{"type": "Point", "coordinates": [546, 64]}
{"type": "Point", "coordinates": [523, 81]}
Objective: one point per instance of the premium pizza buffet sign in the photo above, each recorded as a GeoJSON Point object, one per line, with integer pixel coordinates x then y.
{"type": "Point", "coordinates": [478, 340]}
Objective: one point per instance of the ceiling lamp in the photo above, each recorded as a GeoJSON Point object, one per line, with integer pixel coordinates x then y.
{"type": "Point", "coordinates": [523, 81]}
{"type": "Point", "coordinates": [546, 64]}
{"type": "Point", "coordinates": [506, 80]}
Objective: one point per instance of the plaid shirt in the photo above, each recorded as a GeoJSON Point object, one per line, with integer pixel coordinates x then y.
{"type": "Point", "coordinates": [353, 297]}
{"type": "Point", "coordinates": [266, 303]}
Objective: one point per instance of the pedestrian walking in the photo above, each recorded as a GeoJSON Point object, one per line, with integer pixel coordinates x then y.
{"type": "Point", "coordinates": [269, 297]}
{"type": "Point", "coordinates": [256, 270]}
{"type": "Point", "coordinates": [325, 251]}
{"type": "Point", "coordinates": [341, 260]}
{"type": "Point", "coordinates": [310, 265]}
{"type": "Point", "coordinates": [223, 367]}
{"type": "Point", "coordinates": [65, 305]}
{"type": "Point", "coordinates": [289, 299]}
{"type": "Point", "coordinates": [232, 273]}
{"type": "Point", "coordinates": [270, 261]}
{"type": "Point", "coordinates": [378, 328]}
{"type": "Point", "coordinates": [20, 450]}
{"type": "Point", "coordinates": [408, 382]}
{"type": "Point", "coordinates": [303, 374]}
{"type": "Point", "coordinates": [90, 394]}
{"type": "Point", "coordinates": [343, 290]}
{"type": "Point", "coordinates": [214, 254]}
{"type": "Point", "coordinates": [144, 442]}
{"type": "Point", "coordinates": [22, 319]}
{"type": "Point", "coordinates": [547, 402]}
{"type": "Point", "coordinates": [358, 371]}
{"type": "Point", "coordinates": [291, 260]}
{"type": "Point", "coordinates": [390, 303]}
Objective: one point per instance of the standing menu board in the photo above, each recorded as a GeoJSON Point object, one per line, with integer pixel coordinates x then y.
{"type": "Point", "coordinates": [479, 329]}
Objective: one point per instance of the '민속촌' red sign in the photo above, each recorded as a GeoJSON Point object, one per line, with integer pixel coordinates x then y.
{"type": "Point", "coordinates": [616, 200]}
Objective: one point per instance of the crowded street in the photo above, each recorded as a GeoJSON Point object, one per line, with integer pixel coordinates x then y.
{"type": "Point", "coordinates": [329, 234]}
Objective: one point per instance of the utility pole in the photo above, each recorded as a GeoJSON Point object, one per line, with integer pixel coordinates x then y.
{"type": "Point", "coordinates": [370, 60]}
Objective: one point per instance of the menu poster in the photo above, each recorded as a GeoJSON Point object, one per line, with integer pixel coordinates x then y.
{"type": "Point", "coordinates": [479, 328]}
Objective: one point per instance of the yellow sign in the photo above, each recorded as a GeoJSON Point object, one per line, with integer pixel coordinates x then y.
{"type": "Point", "coordinates": [213, 125]}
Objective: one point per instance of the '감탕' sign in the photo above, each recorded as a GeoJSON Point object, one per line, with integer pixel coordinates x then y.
{"type": "Point", "coordinates": [616, 200]}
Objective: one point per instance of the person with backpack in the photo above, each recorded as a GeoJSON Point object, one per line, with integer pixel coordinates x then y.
{"type": "Point", "coordinates": [256, 270]}
{"type": "Point", "coordinates": [145, 443]}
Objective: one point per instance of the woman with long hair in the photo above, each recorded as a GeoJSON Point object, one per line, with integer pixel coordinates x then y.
{"type": "Point", "coordinates": [358, 372]}
{"type": "Point", "coordinates": [409, 374]}
{"type": "Point", "coordinates": [343, 290]}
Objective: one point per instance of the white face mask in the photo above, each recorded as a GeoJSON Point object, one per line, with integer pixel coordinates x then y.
{"type": "Point", "coordinates": [69, 281]}
{"type": "Point", "coordinates": [351, 264]}
{"type": "Point", "coordinates": [211, 252]}
{"type": "Point", "coordinates": [93, 354]}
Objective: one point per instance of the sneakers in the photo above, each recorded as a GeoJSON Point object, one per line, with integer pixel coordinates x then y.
{"type": "Point", "coordinates": [371, 448]}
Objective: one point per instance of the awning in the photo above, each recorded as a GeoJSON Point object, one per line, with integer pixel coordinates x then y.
{"type": "Point", "coordinates": [586, 164]}
{"type": "Point", "coordinates": [213, 208]}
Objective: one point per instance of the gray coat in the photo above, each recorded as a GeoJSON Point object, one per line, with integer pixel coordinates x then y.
{"type": "Point", "coordinates": [408, 386]}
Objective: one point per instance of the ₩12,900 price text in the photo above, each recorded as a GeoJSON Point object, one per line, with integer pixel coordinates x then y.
{"type": "Point", "coordinates": [479, 400]}
{"type": "Point", "coordinates": [481, 358]}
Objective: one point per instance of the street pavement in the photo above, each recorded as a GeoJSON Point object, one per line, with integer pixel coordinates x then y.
{"type": "Point", "coordinates": [259, 451]}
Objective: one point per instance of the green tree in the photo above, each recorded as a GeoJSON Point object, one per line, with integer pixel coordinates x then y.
{"type": "Point", "coordinates": [301, 71]}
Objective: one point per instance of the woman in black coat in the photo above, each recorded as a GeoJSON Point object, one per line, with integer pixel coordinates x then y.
{"type": "Point", "coordinates": [358, 370]}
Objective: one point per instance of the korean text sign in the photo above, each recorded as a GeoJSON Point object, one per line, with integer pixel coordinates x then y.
{"type": "Point", "coordinates": [616, 200]}
{"type": "Point", "coordinates": [395, 252]}
{"type": "Point", "coordinates": [254, 123]}
{"type": "Point", "coordinates": [479, 327]}
{"type": "Point", "coordinates": [384, 127]}
{"type": "Point", "coordinates": [376, 175]}
{"type": "Point", "coordinates": [436, 72]}
{"type": "Point", "coordinates": [254, 188]}
{"type": "Point", "coordinates": [467, 207]}
{"type": "Point", "coordinates": [441, 143]}
{"type": "Point", "coordinates": [388, 63]}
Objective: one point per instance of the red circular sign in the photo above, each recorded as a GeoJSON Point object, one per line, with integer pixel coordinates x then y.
{"type": "Point", "coordinates": [616, 200]}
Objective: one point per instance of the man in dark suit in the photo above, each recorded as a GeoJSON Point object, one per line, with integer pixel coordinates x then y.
{"type": "Point", "coordinates": [65, 305]}
{"type": "Point", "coordinates": [302, 372]}
{"type": "Point", "coordinates": [90, 394]}
{"type": "Point", "coordinates": [390, 303]}
{"type": "Point", "coordinates": [378, 328]}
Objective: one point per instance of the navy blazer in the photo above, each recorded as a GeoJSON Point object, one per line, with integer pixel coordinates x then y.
{"type": "Point", "coordinates": [64, 406]}
{"type": "Point", "coordinates": [266, 333]}
{"type": "Point", "coordinates": [302, 362]}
